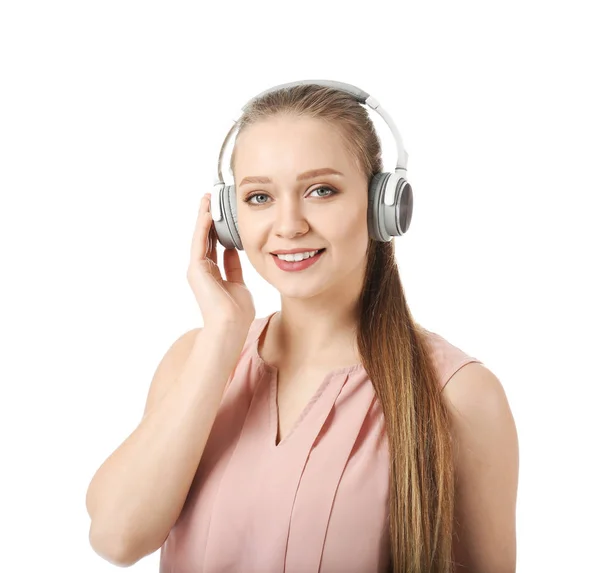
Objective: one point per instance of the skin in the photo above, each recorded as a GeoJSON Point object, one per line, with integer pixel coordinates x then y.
{"type": "Point", "coordinates": [318, 305]}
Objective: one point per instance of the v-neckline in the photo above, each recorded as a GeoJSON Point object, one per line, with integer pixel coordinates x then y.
{"type": "Point", "coordinates": [273, 372]}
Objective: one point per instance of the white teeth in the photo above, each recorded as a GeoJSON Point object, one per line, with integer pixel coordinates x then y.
{"type": "Point", "coordinates": [297, 256]}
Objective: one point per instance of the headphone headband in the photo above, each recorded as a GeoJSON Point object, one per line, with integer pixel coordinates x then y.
{"type": "Point", "coordinates": [359, 95]}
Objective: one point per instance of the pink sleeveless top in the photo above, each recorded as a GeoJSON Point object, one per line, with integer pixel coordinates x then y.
{"type": "Point", "coordinates": [317, 501]}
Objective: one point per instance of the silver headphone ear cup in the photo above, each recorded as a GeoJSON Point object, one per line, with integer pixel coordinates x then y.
{"type": "Point", "coordinates": [231, 216]}
{"type": "Point", "coordinates": [226, 227]}
{"type": "Point", "coordinates": [375, 217]}
{"type": "Point", "coordinates": [388, 221]}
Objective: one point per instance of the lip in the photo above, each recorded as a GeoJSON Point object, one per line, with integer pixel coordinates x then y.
{"type": "Point", "coordinates": [293, 251]}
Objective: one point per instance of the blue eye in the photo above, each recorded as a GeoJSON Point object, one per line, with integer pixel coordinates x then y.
{"type": "Point", "coordinates": [331, 194]}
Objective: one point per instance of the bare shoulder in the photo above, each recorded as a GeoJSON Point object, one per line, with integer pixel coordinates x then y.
{"type": "Point", "coordinates": [476, 398]}
{"type": "Point", "coordinates": [472, 383]}
{"type": "Point", "coordinates": [169, 367]}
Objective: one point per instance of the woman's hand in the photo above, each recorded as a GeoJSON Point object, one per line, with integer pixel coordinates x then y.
{"type": "Point", "coordinates": [222, 302]}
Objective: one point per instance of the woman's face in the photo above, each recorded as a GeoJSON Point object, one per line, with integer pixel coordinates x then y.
{"type": "Point", "coordinates": [281, 211]}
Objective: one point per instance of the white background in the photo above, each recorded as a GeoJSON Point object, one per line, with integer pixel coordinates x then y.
{"type": "Point", "coordinates": [111, 118]}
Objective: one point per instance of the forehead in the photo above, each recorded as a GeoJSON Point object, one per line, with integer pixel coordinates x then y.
{"type": "Point", "coordinates": [289, 143]}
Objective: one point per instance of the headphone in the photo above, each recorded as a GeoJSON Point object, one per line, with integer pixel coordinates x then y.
{"type": "Point", "coordinates": [390, 195]}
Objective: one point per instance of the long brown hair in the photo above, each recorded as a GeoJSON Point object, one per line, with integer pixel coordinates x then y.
{"type": "Point", "coordinates": [394, 353]}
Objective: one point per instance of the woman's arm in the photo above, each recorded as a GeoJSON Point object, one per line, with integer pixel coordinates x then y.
{"type": "Point", "coordinates": [136, 496]}
{"type": "Point", "coordinates": [487, 472]}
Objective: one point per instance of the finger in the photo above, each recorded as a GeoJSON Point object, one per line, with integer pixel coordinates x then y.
{"type": "Point", "coordinates": [233, 266]}
{"type": "Point", "coordinates": [195, 248]}
{"type": "Point", "coordinates": [199, 239]}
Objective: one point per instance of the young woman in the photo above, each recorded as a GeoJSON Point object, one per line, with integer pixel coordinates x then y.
{"type": "Point", "coordinates": [334, 435]}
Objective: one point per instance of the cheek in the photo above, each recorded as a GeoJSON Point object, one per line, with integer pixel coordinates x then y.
{"type": "Point", "coordinates": [247, 228]}
{"type": "Point", "coordinates": [348, 241]}
{"type": "Point", "coordinates": [358, 235]}
{"type": "Point", "coordinates": [351, 225]}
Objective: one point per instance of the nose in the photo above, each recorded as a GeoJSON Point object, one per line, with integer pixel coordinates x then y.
{"type": "Point", "coordinates": [290, 217]}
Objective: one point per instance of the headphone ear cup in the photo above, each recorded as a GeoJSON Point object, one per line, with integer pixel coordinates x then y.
{"type": "Point", "coordinates": [387, 221]}
{"type": "Point", "coordinates": [227, 228]}
{"type": "Point", "coordinates": [375, 208]}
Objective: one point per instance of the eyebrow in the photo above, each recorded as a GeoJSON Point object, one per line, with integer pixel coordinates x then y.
{"type": "Point", "coordinates": [303, 176]}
